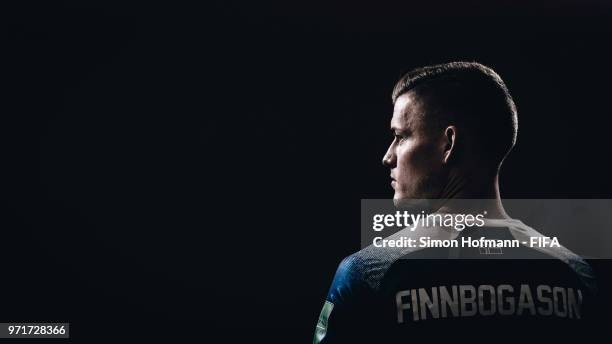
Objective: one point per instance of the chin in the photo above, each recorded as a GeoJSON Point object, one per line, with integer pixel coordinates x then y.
{"type": "Point", "coordinates": [397, 197]}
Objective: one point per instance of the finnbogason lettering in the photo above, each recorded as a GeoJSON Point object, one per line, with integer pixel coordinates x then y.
{"type": "Point", "coordinates": [487, 300]}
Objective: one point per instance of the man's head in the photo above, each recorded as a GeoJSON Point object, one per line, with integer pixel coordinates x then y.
{"type": "Point", "coordinates": [452, 118]}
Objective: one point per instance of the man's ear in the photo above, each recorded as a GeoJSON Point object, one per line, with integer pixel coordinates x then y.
{"type": "Point", "coordinates": [450, 140]}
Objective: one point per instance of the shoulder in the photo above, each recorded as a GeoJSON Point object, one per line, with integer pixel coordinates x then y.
{"type": "Point", "coordinates": [576, 263]}
{"type": "Point", "coordinates": [364, 270]}
{"type": "Point", "coordinates": [348, 280]}
{"type": "Point", "coordinates": [355, 275]}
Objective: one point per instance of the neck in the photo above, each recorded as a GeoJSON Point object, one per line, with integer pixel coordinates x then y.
{"type": "Point", "coordinates": [476, 194]}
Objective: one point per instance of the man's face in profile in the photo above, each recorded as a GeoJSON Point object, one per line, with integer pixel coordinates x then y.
{"type": "Point", "coordinates": [415, 156]}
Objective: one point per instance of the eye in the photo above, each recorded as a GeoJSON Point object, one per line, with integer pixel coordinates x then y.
{"type": "Point", "coordinates": [399, 136]}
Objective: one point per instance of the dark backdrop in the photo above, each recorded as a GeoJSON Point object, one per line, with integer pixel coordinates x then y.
{"type": "Point", "coordinates": [196, 171]}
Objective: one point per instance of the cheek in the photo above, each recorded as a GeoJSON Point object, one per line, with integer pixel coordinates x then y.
{"type": "Point", "coordinates": [416, 160]}
{"type": "Point", "coordinates": [405, 160]}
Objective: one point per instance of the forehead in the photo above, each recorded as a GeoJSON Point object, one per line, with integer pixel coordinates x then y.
{"type": "Point", "coordinates": [407, 111]}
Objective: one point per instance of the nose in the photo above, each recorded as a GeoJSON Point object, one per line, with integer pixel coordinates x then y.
{"type": "Point", "coordinates": [389, 157]}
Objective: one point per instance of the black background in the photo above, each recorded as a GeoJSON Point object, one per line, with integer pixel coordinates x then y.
{"type": "Point", "coordinates": [195, 171]}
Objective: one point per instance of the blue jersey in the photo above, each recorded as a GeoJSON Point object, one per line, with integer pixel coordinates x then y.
{"type": "Point", "coordinates": [395, 295]}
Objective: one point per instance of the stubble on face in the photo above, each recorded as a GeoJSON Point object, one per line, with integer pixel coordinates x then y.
{"type": "Point", "coordinates": [417, 151]}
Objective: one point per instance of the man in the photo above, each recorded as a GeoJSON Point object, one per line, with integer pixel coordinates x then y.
{"type": "Point", "coordinates": [453, 125]}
